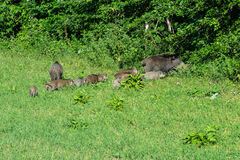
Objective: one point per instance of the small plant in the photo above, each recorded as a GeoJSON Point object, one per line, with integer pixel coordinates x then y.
{"type": "Point", "coordinates": [81, 98]}
{"type": "Point", "coordinates": [116, 103]}
{"type": "Point", "coordinates": [154, 98]}
{"type": "Point", "coordinates": [133, 82]}
{"type": "Point", "coordinates": [78, 124]}
{"type": "Point", "coordinates": [200, 92]}
{"type": "Point", "coordinates": [12, 89]}
{"type": "Point", "coordinates": [203, 138]}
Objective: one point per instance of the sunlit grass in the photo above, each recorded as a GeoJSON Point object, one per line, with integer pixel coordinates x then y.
{"type": "Point", "coordinates": [152, 124]}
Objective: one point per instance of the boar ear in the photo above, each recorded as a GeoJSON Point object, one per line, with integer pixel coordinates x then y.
{"type": "Point", "coordinates": [175, 56]}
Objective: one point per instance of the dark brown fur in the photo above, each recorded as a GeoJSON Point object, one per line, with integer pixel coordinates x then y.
{"type": "Point", "coordinates": [56, 71]}
{"type": "Point", "coordinates": [59, 83]}
{"type": "Point", "coordinates": [33, 91]}
{"type": "Point", "coordinates": [162, 62]}
{"type": "Point", "coordinates": [94, 78]}
{"type": "Point", "coordinates": [132, 71]}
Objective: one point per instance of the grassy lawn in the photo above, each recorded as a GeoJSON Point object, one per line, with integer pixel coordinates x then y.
{"type": "Point", "coordinates": [152, 124]}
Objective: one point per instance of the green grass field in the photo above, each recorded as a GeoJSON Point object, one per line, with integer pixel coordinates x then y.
{"type": "Point", "coordinates": [152, 124]}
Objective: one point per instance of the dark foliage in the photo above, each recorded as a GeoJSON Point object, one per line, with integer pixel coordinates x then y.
{"type": "Point", "coordinates": [205, 33]}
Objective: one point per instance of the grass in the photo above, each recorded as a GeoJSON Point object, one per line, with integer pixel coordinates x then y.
{"type": "Point", "coordinates": [151, 125]}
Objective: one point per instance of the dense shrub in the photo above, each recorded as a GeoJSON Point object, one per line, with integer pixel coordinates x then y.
{"type": "Point", "coordinates": [205, 33]}
{"type": "Point", "coordinates": [117, 46]}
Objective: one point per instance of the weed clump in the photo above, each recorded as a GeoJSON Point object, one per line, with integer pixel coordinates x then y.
{"type": "Point", "coordinates": [81, 98]}
{"type": "Point", "coordinates": [133, 82]}
{"type": "Point", "coordinates": [77, 124]}
{"type": "Point", "coordinates": [200, 92]}
{"type": "Point", "coordinates": [203, 138]}
{"type": "Point", "coordinates": [116, 103]}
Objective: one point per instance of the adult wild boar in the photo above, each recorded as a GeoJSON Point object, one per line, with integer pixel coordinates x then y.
{"type": "Point", "coordinates": [161, 62]}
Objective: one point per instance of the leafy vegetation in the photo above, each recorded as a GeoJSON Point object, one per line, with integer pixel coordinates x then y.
{"type": "Point", "coordinates": [203, 138]}
{"type": "Point", "coordinates": [81, 98]}
{"type": "Point", "coordinates": [151, 125]}
{"type": "Point", "coordinates": [77, 124]}
{"type": "Point", "coordinates": [116, 103]}
{"type": "Point", "coordinates": [204, 33]}
{"type": "Point", "coordinates": [103, 36]}
{"type": "Point", "coordinates": [133, 82]}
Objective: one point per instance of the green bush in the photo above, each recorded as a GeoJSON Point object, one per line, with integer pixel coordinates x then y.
{"type": "Point", "coordinates": [77, 124]}
{"type": "Point", "coordinates": [116, 103]}
{"type": "Point", "coordinates": [115, 46]}
{"type": "Point", "coordinates": [219, 59]}
{"type": "Point", "coordinates": [39, 43]}
{"type": "Point", "coordinates": [204, 33]}
{"type": "Point", "coordinates": [133, 82]}
{"type": "Point", "coordinates": [81, 98]}
{"type": "Point", "coordinates": [203, 138]}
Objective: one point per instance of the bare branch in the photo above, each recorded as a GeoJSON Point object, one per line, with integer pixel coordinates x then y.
{"type": "Point", "coordinates": [146, 26]}
{"type": "Point", "coordinates": [169, 25]}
